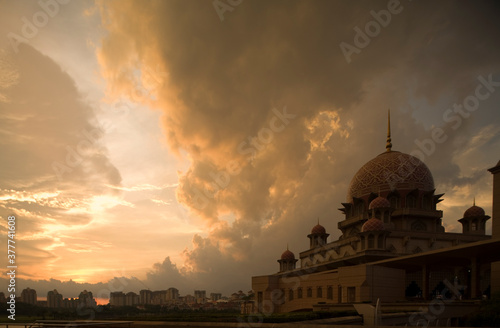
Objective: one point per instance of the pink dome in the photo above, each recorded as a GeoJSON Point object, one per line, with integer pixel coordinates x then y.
{"type": "Point", "coordinates": [388, 171]}
{"type": "Point", "coordinates": [474, 211]}
{"type": "Point", "coordinates": [379, 202]}
{"type": "Point", "coordinates": [287, 255]}
{"type": "Point", "coordinates": [318, 230]}
{"type": "Point", "coordinates": [373, 224]}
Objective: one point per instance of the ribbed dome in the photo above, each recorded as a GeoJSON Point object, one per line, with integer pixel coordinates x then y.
{"type": "Point", "coordinates": [388, 171]}
{"type": "Point", "coordinates": [318, 230]}
{"type": "Point", "coordinates": [373, 224]}
{"type": "Point", "coordinates": [474, 211]}
{"type": "Point", "coordinates": [379, 202]}
{"type": "Point", "coordinates": [287, 255]}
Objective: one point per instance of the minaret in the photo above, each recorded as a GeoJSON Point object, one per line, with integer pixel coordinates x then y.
{"type": "Point", "coordinates": [495, 221]}
{"type": "Point", "coordinates": [318, 236]}
{"type": "Point", "coordinates": [388, 145]}
{"type": "Point", "coordinates": [287, 261]}
{"type": "Point", "coordinates": [495, 226]}
{"type": "Point", "coordinates": [474, 220]}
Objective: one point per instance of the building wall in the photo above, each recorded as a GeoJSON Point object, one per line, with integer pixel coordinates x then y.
{"type": "Point", "coordinates": [495, 227]}
{"type": "Point", "coordinates": [386, 284]}
{"type": "Point", "coordinates": [360, 283]}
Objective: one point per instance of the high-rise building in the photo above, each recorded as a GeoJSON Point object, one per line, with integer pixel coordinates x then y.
{"type": "Point", "coordinates": [28, 296]}
{"type": "Point", "coordinates": [200, 296]}
{"type": "Point", "coordinates": [145, 296]}
{"type": "Point", "coordinates": [86, 299]}
{"type": "Point", "coordinates": [117, 299]}
{"type": "Point", "coordinates": [215, 296]}
{"type": "Point", "coordinates": [131, 299]}
{"type": "Point", "coordinates": [54, 299]}
{"type": "Point", "coordinates": [172, 294]}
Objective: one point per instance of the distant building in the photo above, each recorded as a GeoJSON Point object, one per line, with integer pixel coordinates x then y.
{"type": "Point", "coordinates": [28, 296]}
{"type": "Point", "coordinates": [189, 299]}
{"type": "Point", "coordinates": [54, 299]}
{"type": "Point", "coordinates": [172, 294]}
{"type": "Point", "coordinates": [131, 299]}
{"type": "Point", "coordinates": [86, 299]}
{"type": "Point", "coordinates": [200, 296]}
{"type": "Point", "coordinates": [215, 296]}
{"type": "Point", "coordinates": [70, 303]}
{"type": "Point", "coordinates": [117, 299]}
{"type": "Point", "coordinates": [145, 296]}
{"type": "Point", "coordinates": [159, 297]}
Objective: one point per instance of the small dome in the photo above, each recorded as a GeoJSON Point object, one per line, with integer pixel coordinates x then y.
{"type": "Point", "coordinates": [318, 230]}
{"type": "Point", "coordinates": [287, 255]}
{"type": "Point", "coordinates": [379, 202]}
{"type": "Point", "coordinates": [373, 224]}
{"type": "Point", "coordinates": [474, 211]}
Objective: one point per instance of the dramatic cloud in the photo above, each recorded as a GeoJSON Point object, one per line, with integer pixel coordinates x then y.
{"type": "Point", "coordinates": [274, 119]}
{"type": "Point", "coordinates": [54, 165]}
{"type": "Point", "coordinates": [270, 108]}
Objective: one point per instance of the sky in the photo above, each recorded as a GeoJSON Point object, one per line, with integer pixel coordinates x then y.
{"type": "Point", "coordinates": [157, 144]}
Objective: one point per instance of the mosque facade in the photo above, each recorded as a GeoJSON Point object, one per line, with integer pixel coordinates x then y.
{"type": "Point", "coordinates": [393, 246]}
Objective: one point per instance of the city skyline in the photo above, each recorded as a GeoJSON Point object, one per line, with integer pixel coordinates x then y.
{"type": "Point", "coordinates": [169, 296]}
{"type": "Point", "coordinates": [148, 145]}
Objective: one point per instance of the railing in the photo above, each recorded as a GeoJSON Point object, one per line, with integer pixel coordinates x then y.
{"type": "Point", "coordinates": [64, 323]}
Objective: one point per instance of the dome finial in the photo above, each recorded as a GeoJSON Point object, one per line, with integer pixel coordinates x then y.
{"type": "Point", "coordinates": [474, 202]}
{"type": "Point", "coordinates": [388, 145]}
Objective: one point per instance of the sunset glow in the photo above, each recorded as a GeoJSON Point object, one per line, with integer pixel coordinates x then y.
{"type": "Point", "coordinates": [154, 144]}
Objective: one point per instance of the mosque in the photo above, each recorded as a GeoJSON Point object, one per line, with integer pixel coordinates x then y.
{"type": "Point", "coordinates": [393, 246]}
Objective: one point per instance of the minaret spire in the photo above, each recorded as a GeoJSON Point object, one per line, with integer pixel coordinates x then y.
{"type": "Point", "coordinates": [388, 145]}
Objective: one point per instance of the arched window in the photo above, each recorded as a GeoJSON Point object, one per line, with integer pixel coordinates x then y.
{"type": "Point", "coordinates": [371, 241]}
{"type": "Point", "coordinates": [394, 200]}
{"type": "Point", "coordinates": [309, 292]}
{"type": "Point", "coordinates": [319, 292]}
{"type": "Point", "coordinates": [473, 226]}
{"type": "Point", "coordinates": [411, 201]}
{"type": "Point", "coordinates": [299, 292]}
{"type": "Point", "coordinates": [381, 241]}
{"type": "Point", "coordinates": [418, 226]}
{"type": "Point", "coordinates": [290, 295]}
{"type": "Point", "coordinates": [329, 293]}
{"type": "Point", "coordinates": [359, 208]}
